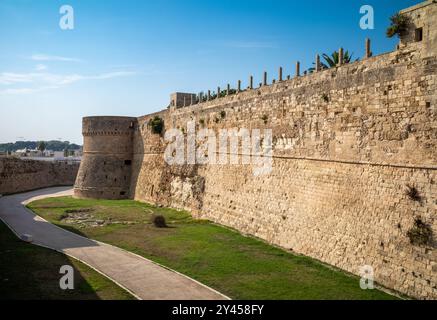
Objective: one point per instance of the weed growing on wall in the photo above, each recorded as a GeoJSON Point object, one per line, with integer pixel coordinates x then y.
{"type": "Point", "coordinates": [420, 234]}
{"type": "Point", "coordinates": [156, 124]}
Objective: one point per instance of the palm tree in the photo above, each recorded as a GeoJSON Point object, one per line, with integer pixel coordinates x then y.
{"type": "Point", "coordinates": [333, 60]}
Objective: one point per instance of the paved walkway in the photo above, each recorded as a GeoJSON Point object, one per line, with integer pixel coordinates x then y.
{"type": "Point", "coordinates": [142, 277]}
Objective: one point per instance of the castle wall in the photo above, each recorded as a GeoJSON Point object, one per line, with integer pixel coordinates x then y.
{"type": "Point", "coordinates": [18, 175]}
{"type": "Point", "coordinates": [346, 143]}
{"type": "Point", "coordinates": [344, 214]}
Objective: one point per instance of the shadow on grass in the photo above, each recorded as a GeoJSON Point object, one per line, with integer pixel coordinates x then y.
{"type": "Point", "coordinates": [29, 272]}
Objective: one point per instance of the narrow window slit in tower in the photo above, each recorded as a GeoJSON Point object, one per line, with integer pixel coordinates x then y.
{"type": "Point", "coordinates": [419, 34]}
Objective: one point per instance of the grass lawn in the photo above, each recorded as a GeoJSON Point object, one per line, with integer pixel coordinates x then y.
{"type": "Point", "coordinates": [240, 267]}
{"type": "Point", "coordinates": [29, 272]}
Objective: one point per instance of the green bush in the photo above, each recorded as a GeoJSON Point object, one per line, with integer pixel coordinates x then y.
{"type": "Point", "coordinates": [420, 234]}
{"type": "Point", "coordinates": [325, 97]}
{"type": "Point", "coordinates": [265, 119]}
{"type": "Point", "coordinates": [156, 124]}
{"type": "Point", "coordinates": [413, 193]}
{"type": "Point", "coordinates": [399, 25]}
{"type": "Point", "coordinates": [159, 221]}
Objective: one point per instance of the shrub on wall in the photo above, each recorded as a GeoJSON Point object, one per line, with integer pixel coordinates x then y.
{"type": "Point", "coordinates": [399, 25]}
{"type": "Point", "coordinates": [325, 97]}
{"type": "Point", "coordinates": [156, 124]}
{"type": "Point", "coordinates": [159, 221]}
{"type": "Point", "coordinates": [420, 234]}
{"type": "Point", "coordinates": [413, 193]}
{"type": "Point", "coordinates": [265, 119]}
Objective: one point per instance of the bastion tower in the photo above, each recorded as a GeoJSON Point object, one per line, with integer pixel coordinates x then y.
{"type": "Point", "coordinates": [107, 158]}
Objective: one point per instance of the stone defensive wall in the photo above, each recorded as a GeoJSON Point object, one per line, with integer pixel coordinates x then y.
{"type": "Point", "coordinates": [354, 161]}
{"type": "Point", "coordinates": [17, 175]}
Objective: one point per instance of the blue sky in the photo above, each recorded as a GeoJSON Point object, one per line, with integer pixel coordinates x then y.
{"type": "Point", "coordinates": [126, 57]}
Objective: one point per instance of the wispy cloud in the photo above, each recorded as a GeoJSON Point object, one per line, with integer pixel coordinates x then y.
{"type": "Point", "coordinates": [7, 78]}
{"type": "Point", "coordinates": [46, 81]}
{"type": "Point", "coordinates": [111, 75]}
{"type": "Point", "coordinates": [20, 91]}
{"type": "Point", "coordinates": [40, 67]}
{"type": "Point", "coordinates": [45, 57]}
{"type": "Point", "coordinates": [123, 66]}
{"type": "Point", "coordinates": [250, 44]}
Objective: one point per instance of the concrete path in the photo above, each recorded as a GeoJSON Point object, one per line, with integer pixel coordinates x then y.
{"type": "Point", "coordinates": [142, 277]}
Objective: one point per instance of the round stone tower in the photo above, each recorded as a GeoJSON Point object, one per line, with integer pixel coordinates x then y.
{"type": "Point", "coordinates": [105, 169]}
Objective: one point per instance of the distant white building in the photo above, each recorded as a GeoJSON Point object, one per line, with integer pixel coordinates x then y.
{"type": "Point", "coordinates": [48, 153]}
{"type": "Point", "coordinates": [28, 153]}
{"type": "Point", "coordinates": [78, 153]}
{"type": "Point", "coordinates": [33, 153]}
{"type": "Point", "coordinates": [74, 155]}
{"type": "Point", "coordinates": [59, 155]}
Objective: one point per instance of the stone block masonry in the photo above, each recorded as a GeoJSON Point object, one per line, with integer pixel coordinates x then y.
{"type": "Point", "coordinates": [348, 142]}
{"type": "Point", "coordinates": [18, 175]}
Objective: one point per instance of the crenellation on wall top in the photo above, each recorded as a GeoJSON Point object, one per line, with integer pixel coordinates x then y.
{"type": "Point", "coordinates": [180, 99]}
{"type": "Point", "coordinates": [379, 62]}
{"type": "Point", "coordinates": [106, 133]}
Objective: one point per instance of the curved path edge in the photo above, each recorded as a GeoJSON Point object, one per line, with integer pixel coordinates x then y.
{"type": "Point", "coordinates": [141, 277]}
